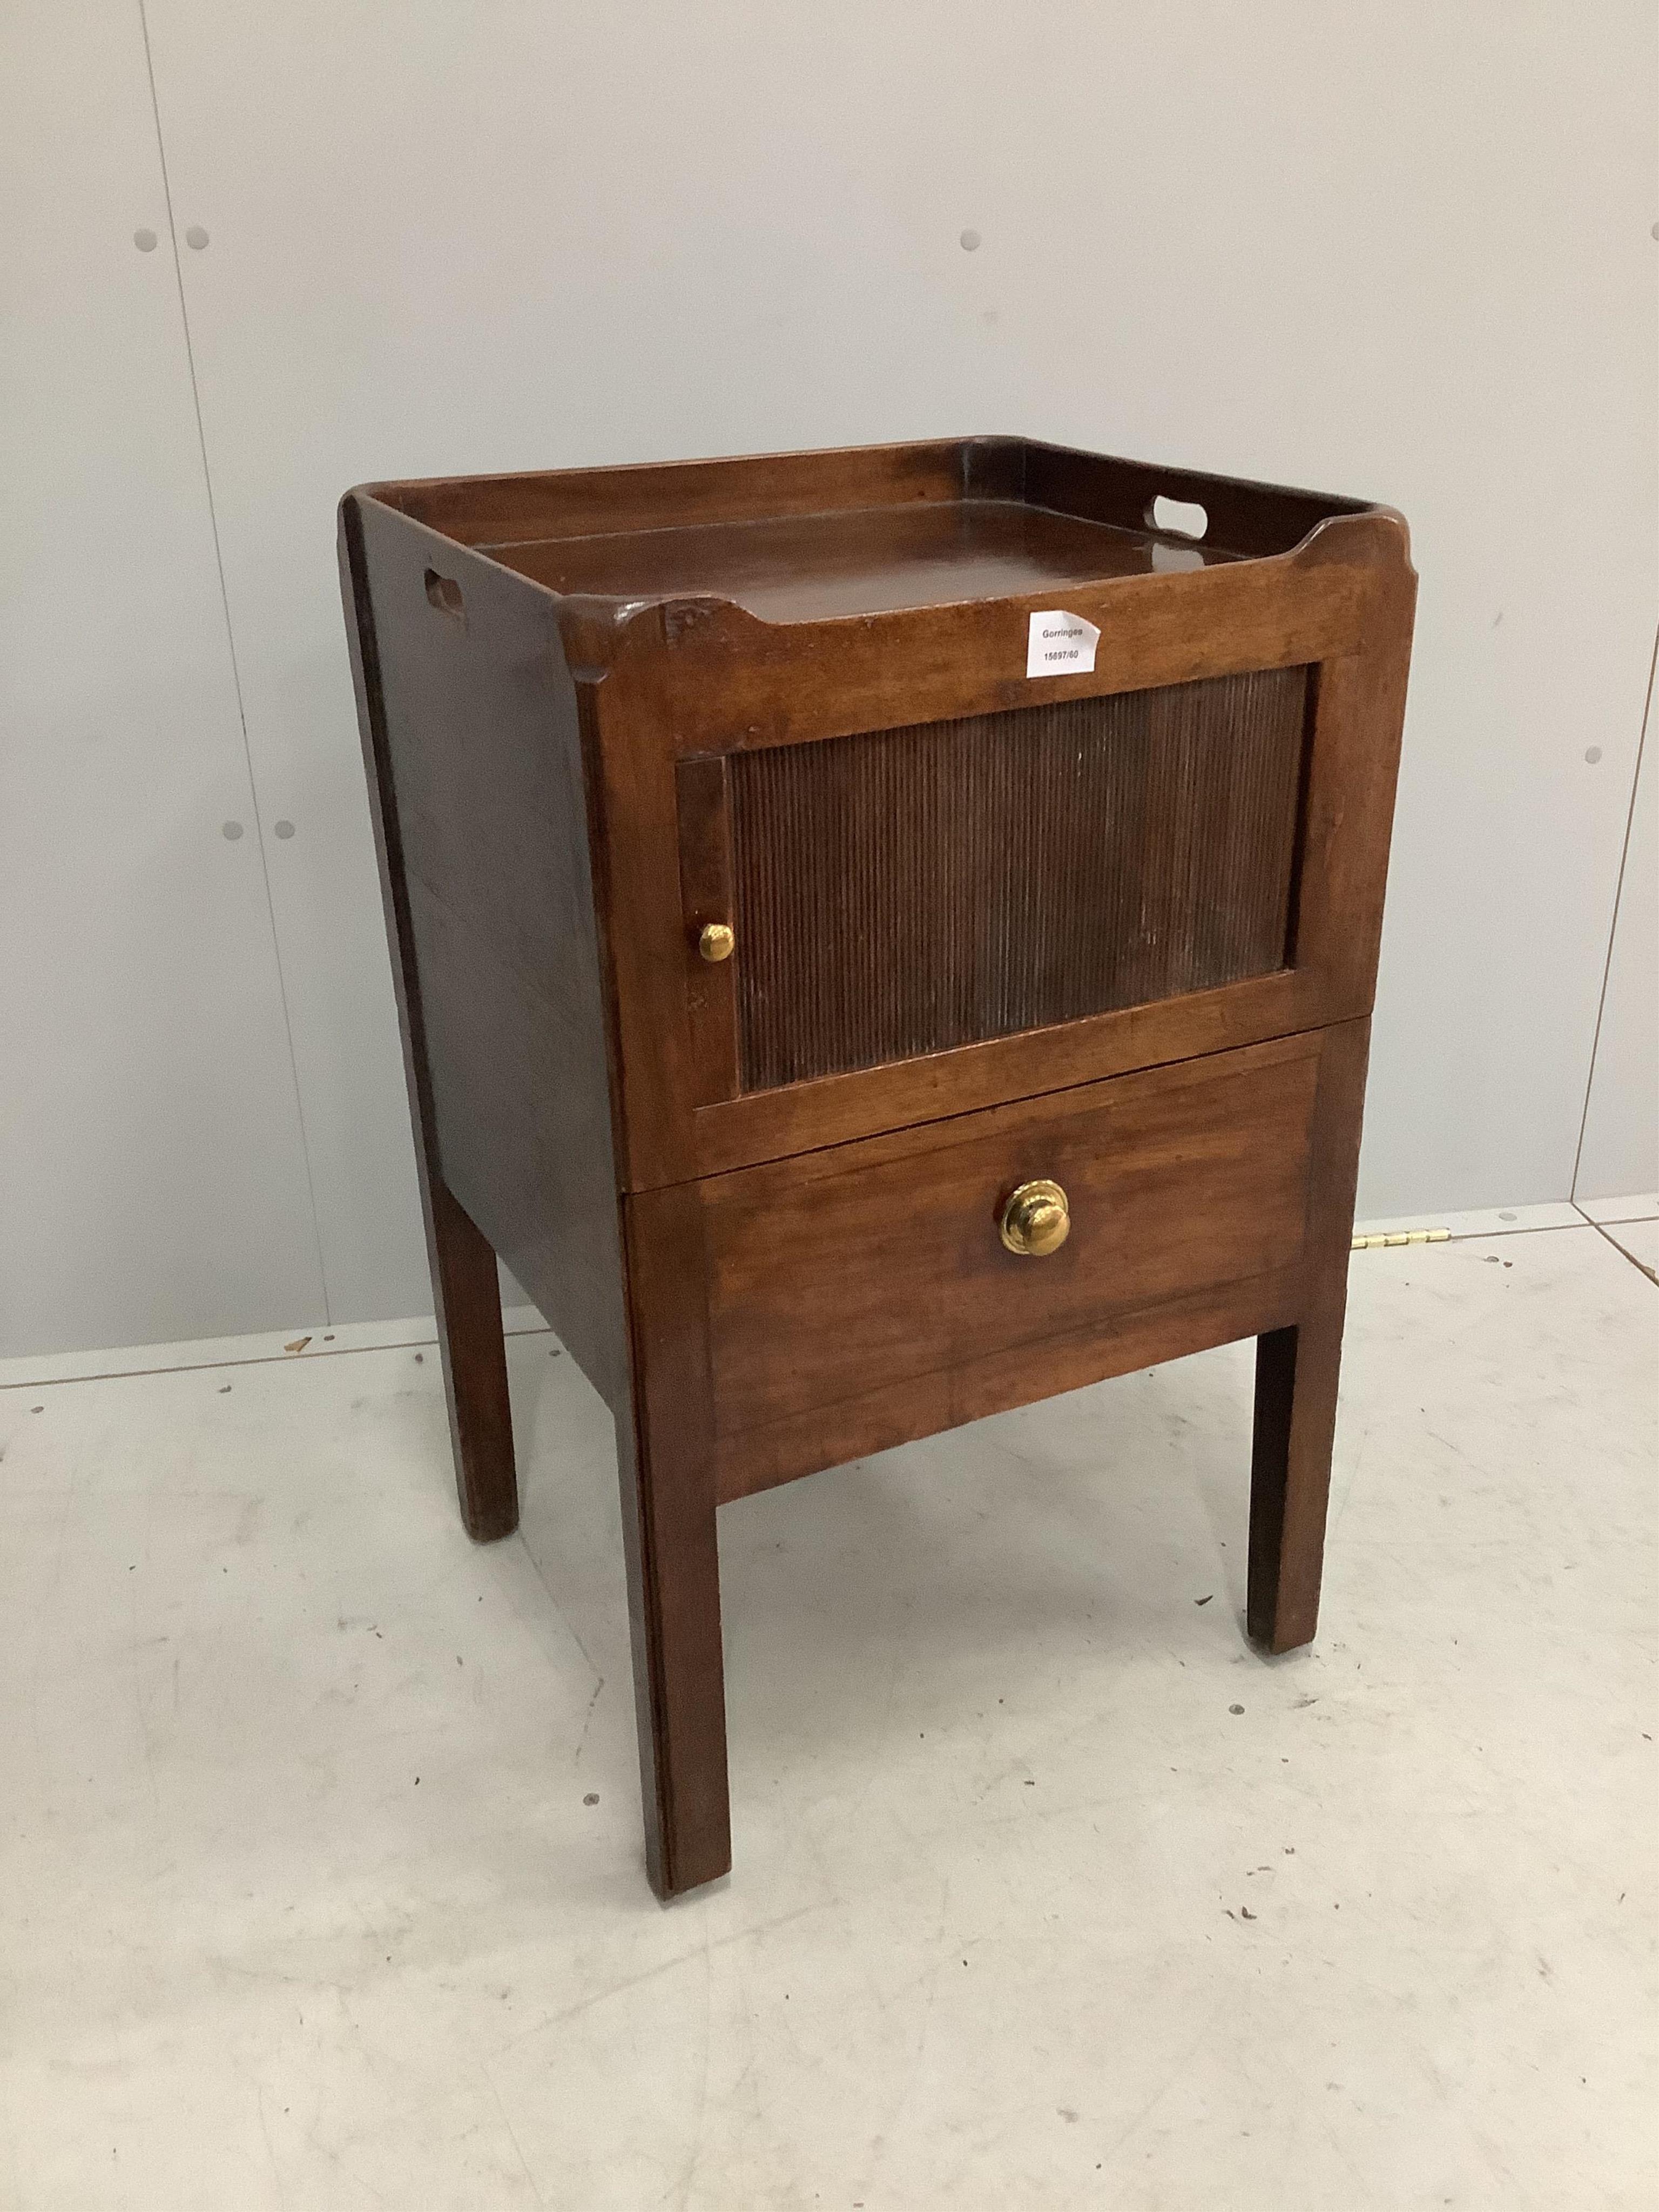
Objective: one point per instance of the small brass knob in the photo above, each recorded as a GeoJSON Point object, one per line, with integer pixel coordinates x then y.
{"type": "Point", "coordinates": [1037, 1220]}
{"type": "Point", "coordinates": [716, 940]}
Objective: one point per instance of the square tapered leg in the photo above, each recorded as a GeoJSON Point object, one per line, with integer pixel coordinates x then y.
{"type": "Point", "coordinates": [467, 1294]}
{"type": "Point", "coordinates": [1296, 1387]}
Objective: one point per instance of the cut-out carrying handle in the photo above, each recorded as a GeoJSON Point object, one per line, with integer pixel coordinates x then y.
{"type": "Point", "coordinates": [1177, 518]}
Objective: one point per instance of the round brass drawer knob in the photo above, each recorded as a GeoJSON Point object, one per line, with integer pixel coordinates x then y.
{"type": "Point", "coordinates": [1037, 1220]}
{"type": "Point", "coordinates": [716, 940]}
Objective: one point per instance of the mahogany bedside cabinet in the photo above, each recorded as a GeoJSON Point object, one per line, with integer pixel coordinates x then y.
{"type": "Point", "coordinates": [881, 937]}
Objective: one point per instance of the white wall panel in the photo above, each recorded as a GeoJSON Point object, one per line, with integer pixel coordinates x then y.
{"type": "Point", "coordinates": [1403, 252]}
{"type": "Point", "coordinates": [469, 239]}
{"type": "Point", "coordinates": [152, 1180]}
{"type": "Point", "coordinates": [1620, 1153]}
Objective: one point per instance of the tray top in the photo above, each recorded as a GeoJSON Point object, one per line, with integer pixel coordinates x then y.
{"type": "Point", "coordinates": [858, 560]}
{"type": "Point", "coordinates": [805, 538]}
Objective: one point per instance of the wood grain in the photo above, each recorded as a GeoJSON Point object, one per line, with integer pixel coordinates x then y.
{"type": "Point", "coordinates": [922, 1405]}
{"type": "Point", "coordinates": [833, 1277]}
{"type": "Point", "coordinates": [706, 895]}
{"type": "Point", "coordinates": [531, 509]}
{"type": "Point", "coordinates": [1298, 1368]}
{"type": "Point", "coordinates": [667, 1459]}
{"type": "Point", "coordinates": [719, 681]}
{"type": "Point", "coordinates": [1120, 930]}
{"type": "Point", "coordinates": [483, 764]}
{"type": "Point", "coordinates": [856, 562]}
{"type": "Point", "coordinates": [905, 891]}
{"type": "Point", "coordinates": [465, 1296]}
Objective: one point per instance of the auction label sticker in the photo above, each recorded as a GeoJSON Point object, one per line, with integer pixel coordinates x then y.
{"type": "Point", "coordinates": [1061, 644]}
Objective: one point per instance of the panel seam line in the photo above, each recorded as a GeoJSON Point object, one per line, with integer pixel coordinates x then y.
{"type": "Point", "coordinates": [245, 1359]}
{"type": "Point", "coordinates": [236, 673]}
{"type": "Point", "coordinates": [1605, 1229]}
{"type": "Point", "coordinates": [1613, 925]}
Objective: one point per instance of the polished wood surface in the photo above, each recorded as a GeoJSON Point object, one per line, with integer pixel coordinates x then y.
{"type": "Point", "coordinates": [708, 898]}
{"type": "Point", "coordinates": [681, 682]}
{"type": "Point", "coordinates": [461, 1262]}
{"type": "Point", "coordinates": [672, 1555]}
{"type": "Point", "coordinates": [1298, 1369]}
{"type": "Point", "coordinates": [861, 561]}
{"type": "Point", "coordinates": [922, 1405]}
{"type": "Point", "coordinates": [481, 767]}
{"type": "Point", "coordinates": [1249, 518]}
{"type": "Point", "coordinates": [853, 1268]}
{"type": "Point", "coordinates": [605, 711]}
{"type": "Point", "coordinates": [905, 892]}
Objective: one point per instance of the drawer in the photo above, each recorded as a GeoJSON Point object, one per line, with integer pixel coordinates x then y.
{"type": "Point", "coordinates": [864, 1293]}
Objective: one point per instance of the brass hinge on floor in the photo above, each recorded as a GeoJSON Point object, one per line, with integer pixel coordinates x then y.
{"type": "Point", "coordinates": [1401, 1236]}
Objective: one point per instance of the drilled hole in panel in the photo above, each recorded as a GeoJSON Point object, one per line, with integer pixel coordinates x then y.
{"type": "Point", "coordinates": [445, 593]}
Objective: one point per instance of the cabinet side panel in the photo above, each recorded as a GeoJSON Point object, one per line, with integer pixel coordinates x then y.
{"type": "Point", "coordinates": [480, 764]}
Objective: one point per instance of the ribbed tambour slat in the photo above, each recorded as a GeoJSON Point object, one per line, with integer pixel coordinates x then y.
{"type": "Point", "coordinates": [907, 890]}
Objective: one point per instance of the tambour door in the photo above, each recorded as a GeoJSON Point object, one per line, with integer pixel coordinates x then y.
{"type": "Point", "coordinates": [882, 896]}
{"type": "Point", "coordinates": [863, 874]}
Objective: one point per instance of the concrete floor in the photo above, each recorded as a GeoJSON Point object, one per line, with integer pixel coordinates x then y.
{"type": "Point", "coordinates": [321, 1859]}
